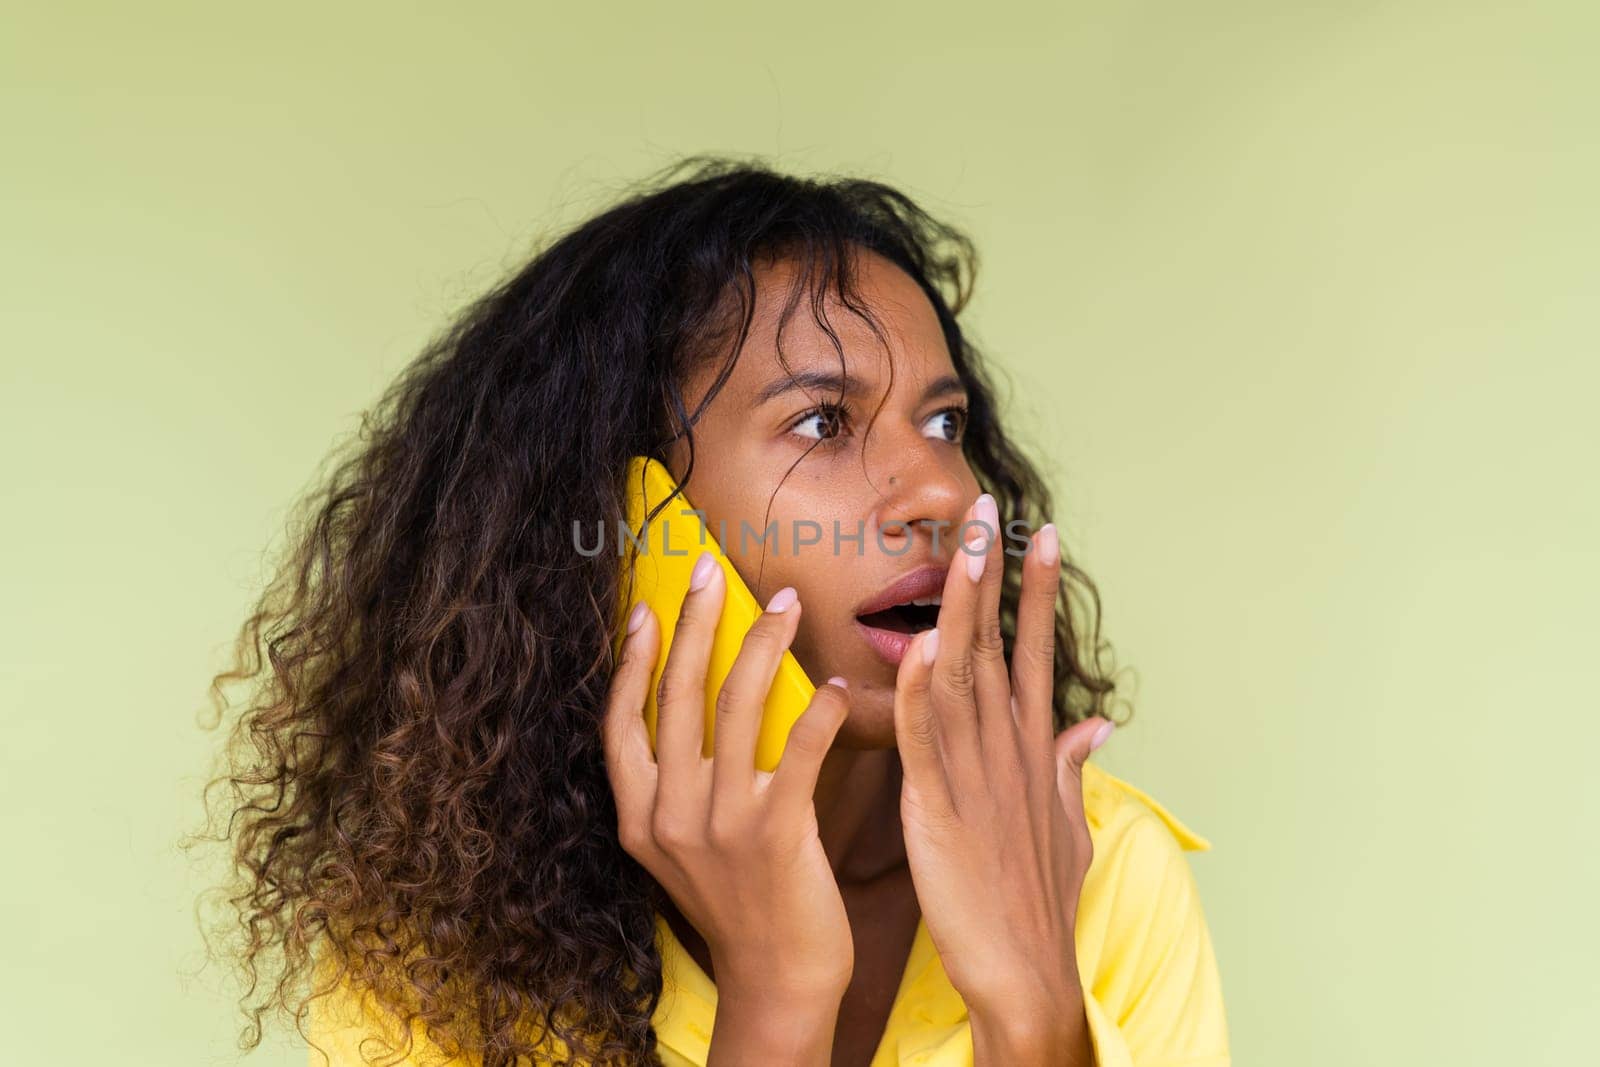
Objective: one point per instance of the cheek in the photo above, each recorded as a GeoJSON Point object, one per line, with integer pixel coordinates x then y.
{"type": "Point", "coordinates": [821, 618]}
{"type": "Point", "coordinates": [972, 485]}
{"type": "Point", "coordinates": [822, 639]}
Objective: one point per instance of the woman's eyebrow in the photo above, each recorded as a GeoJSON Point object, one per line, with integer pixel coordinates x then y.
{"type": "Point", "coordinates": [824, 381]}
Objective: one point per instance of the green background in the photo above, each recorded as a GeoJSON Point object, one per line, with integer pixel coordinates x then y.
{"type": "Point", "coordinates": [1299, 300]}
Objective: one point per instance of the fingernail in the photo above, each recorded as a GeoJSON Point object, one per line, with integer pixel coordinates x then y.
{"type": "Point", "coordinates": [1049, 544]}
{"type": "Point", "coordinates": [988, 513]}
{"type": "Point", "coordinates": [930, 646]}
{"type": "Point", "coordinates": [977, 551]}
{"type": "Point", "coordinates": [839, 681]}
{"type": "Point", "coordinates": [702, 571]}
{"type": "Point", "coordinates": [1100, 735]}
{"type": "Point", "coordinates": [636, 616]}
{"type": "Point", "coordinates": [782, 600]}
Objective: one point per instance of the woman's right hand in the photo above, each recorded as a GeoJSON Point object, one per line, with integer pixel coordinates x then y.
{"type": "Point", "coordinates": [735, 847]}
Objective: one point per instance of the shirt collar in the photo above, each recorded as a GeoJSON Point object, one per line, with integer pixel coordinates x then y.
{"type": "Point", "coordinates": [1100, 798]}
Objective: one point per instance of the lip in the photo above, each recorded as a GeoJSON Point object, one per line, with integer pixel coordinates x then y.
{"type": "Point", "coordinates": [913, 585]}
{"type": "Point", "coordinates": [891, 645]}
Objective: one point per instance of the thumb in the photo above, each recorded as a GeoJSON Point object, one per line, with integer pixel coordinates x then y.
{"type": "Point", "coordinates": [1073, 746]}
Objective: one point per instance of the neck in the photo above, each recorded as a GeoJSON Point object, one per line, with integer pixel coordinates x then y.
{"type": "Point", "coordinates": [858, 813]}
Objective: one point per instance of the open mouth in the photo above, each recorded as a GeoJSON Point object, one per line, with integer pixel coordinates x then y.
{"type": "Point", "coordinates": [904, 608]}
{"type": "Point", "coordinates": [909, 618]}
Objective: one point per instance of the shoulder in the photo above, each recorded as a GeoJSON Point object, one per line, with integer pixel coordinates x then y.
{"type": "Point", "coordinates": [350, 1023]}
{"type": "Point", "coordinates": [1139, 895]}
{"type": "Point", "coordinates": [1144, 950]}
{"type": "Point", "coordinates": [1139, 890]}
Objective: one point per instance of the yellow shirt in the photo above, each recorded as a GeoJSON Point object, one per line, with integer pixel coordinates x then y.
{"type": "Point", "coordinates": [1151, 988]}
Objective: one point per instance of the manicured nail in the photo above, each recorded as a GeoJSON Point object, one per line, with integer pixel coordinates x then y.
{"type": "Point", "coordinates": [782, 600]}
{"type": "Point", "coordinates": [839, 681]}
{"type": "Point", "coordinates": [977, 551]}
{"type": "Point", "coordinates": [930, 646]}
{"type": "Point", "coordinates": [702, 571]}
{"type": "Point", "coordinates": [1049, 544]}
{"type": "Point", "coordinates": [1100, 735]}
{"type": "Point", "coordinates": [987, 512]}
{"type": "Point", "coordinates": [636, 617]}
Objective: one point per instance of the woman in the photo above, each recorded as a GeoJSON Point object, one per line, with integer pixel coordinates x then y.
{"type": "Point", "coordinates": [450, 813]}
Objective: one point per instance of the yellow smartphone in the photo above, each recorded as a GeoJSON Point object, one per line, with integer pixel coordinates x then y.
{"type": "Point", "coordinates": [668, 546]}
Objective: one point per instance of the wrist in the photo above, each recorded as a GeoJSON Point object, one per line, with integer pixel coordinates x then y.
{"type": "Point", "coordinates": [764, 981]}
{"type": "Point", "coordinates": [1042, 1025]}
{"type": "Point", "coordinates": [1053, 1038]}
{"type": "Point", "coordinates": [785, 1028]}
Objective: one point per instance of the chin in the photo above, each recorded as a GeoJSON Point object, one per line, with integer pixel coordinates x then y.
{"type": "Point", "coordinates": [870, 723]}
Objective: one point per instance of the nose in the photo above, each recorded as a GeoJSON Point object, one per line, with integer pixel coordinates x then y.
{"type": "Point", "coordinates": [927, 487]}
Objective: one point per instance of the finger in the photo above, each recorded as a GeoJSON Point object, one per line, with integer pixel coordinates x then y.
{"type": "Point", "coordinates": [743, 697]}
{"type": "Point", "coordinates": [1033, 655]}
{"type": "Point", "coordinates": [681, 694]}
{"type": "Point", "coordinates": [916, 727]}
{"type": "Point", "coordinates": [986, 566]}
{"type": "Point", "coordinates": [792, 786]}
{"type": "Point", "coordinates": [953, 687]}
{"type": "Point", "coordinates": [630, 765]}
{"type": "Point", "coordinates": [1072, 748]}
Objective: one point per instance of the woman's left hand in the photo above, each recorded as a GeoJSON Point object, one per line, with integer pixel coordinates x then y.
{"type": "Point", "coordinates": [992, 803]}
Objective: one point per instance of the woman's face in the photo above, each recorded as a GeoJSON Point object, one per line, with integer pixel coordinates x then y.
{"type": "Point", "coordinates": [909, 470]}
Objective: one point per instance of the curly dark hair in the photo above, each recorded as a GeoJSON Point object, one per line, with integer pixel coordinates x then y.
{"type": "Point", "coordinates": [417, 796]}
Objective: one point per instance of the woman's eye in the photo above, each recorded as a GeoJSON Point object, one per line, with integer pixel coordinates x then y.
{"type": "Point", "coordinates": [821, 423]}
{"type": "Point", "coordinates": [946, 424]}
